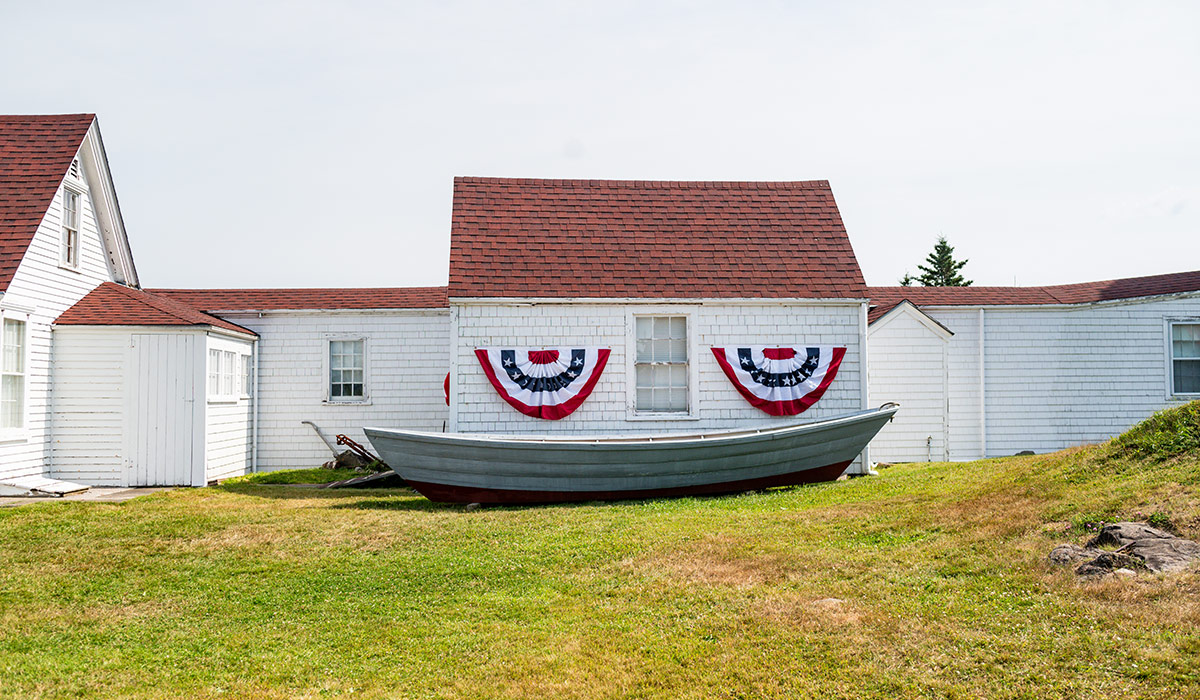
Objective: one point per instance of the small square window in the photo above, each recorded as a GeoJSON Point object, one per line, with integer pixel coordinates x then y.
{"type": "Point", "coordinates": [661, 364]}
{"type": "Point", "coordinates": [1185, 358]}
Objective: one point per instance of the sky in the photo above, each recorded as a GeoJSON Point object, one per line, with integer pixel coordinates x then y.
{"type": "Point", "coordinates": [303, 144]}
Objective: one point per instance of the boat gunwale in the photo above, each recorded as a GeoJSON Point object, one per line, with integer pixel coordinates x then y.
{"type": "Point", "coordinates": [631, 441]}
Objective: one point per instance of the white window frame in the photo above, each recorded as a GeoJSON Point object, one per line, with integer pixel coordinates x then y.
{"type": "Point", "coordinates": [213, 373]}
{"type": "Point", "coordinates": [246, 375]}
{"type": "Point", "coordinates": [20, 433]}
{"type": "Point", "coordinates": [327, 376]}
{"type": "Point", "coordinates": [693, 373]}
{"type": "Point", "coordinates": [64, 260]}
{"type": "Point", "coordinates": [1168, 330]}
{"type": "Point", "coordinates": [226, 370]}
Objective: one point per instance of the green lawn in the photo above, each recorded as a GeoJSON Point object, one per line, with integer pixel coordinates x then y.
{"type": "Point", "coordinates": [262, 591]}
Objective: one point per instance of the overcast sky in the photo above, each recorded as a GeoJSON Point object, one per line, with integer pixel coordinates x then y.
{"type": "Point", "coordinates": [314, 144]}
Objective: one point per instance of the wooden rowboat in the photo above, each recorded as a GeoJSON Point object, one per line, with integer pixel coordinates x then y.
{"type": "Point", "coordinates": [473, 468]}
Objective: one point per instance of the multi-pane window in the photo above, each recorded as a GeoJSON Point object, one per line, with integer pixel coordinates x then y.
{"type": "Point", "coordinates": [70, 228]}
{"type": "Point", "coordinates": [1185, 358]}
{"type": "Point", "coordinates": [661, 364]}
{"type": "Point", "coordinates": [12, 374]}
{"type": "Point", "coordinates": [214, 372]}
{"type": "Point", "coordinates": [246, 378]}
{"type": "Point", "coordinates": [228, 372]}
{"type": "Point", "coordinates": [346, 370]}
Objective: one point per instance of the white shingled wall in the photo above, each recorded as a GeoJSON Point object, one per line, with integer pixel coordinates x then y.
{"type": "Point", "coordinates": [1054, 377]}
{"type": "Point", "coordinates": [908, 365]}
{"type": "Point", "coordinates": [44, 290]}
{"type": "Point", "coordinates": [718, 406]}
{"type": "Point", "coordinates": [227, 420]}
{"type": "Point", "coordinates": [407, 360]}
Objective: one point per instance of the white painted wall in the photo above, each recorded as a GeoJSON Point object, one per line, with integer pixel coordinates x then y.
{"type": "Point", "coordinates": [227, 424]}
{"type": "Point", "coordinates": [89, 405]}
{"type": "Point", "coordinates": [46, 290]}
{"type": "Point", "coordinates": [908, 365]}
{"type": "Point", "coordinates": [1054, 377]}
{"type": "Point", "coordinates": [407, 357]}
{"type": "Point", "coordinates": [478, 408]}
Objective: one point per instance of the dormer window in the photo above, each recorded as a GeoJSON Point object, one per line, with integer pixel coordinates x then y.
{"type": "Point", "coordinates": [70, 228]}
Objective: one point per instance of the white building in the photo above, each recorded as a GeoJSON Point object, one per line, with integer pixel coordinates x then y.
{"type": "Point", "coordinates": [104, 383]}
{"type": "Point", "coordinates": [993, 371]}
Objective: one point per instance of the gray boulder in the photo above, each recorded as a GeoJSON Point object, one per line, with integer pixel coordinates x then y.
{"type": "Point", "coordinates": [1166, 555]}
{"type": "Point", "coordinates": [1065, 554]}
{"type": "Point", "coordinates": [1121, 534]}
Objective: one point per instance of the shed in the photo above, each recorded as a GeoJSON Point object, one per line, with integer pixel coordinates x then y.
{"type": "Point", "coordinates": [150, 392]}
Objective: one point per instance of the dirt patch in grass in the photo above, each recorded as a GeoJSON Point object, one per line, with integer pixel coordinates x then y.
{"type": "Point", "coordinates": [721, 560]}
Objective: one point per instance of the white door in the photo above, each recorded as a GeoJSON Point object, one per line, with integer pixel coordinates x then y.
{"type": "Point", "coordinates": [163, 411]}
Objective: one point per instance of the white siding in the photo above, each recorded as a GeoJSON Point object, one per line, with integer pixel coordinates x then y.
{"type": "Point", "coordinates": [719, 406]}
{"type": "Point", "coordinates": [407, 360]}
{"type": "Point", "coordinates": [908, 365]}
{"type": "Point", "coordinates": [228, 426]}
{"type": "Point", "coordinates": [1054, 377]}
{"type": "Point", "coordinates": [41, 285]}
{"type": "Point", "coordinates": [89, 405]}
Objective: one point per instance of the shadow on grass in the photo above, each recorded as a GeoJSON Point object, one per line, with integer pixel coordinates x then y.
{"type": "Point", "coordinates": [308, 491]}
{"type": "Point", "coordinates": [416, 503]}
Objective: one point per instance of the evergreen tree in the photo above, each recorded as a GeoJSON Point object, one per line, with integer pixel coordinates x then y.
{"type": "Point", "coordinates": [907, 280]}
{"type": "Point", "coordinates": [942, 270]}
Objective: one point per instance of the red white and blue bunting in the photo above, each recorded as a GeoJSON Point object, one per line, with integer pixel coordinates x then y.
{"type": "Point", "coordinates": [782, 381]}
{"type": "Point", "coordinates": [547, 383]}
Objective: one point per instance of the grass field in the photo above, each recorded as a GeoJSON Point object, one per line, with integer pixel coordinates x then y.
{"type": "Point", "coordinates": [263, 591]}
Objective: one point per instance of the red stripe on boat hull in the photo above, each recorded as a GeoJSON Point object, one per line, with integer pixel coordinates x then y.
{"type": "Point", "coordinates": [444, 493]}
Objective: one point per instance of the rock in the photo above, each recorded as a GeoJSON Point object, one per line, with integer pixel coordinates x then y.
{"type": "Point", "coordinates": [1125, 573]}
{"type": "Point", "coordinates": [347, 460]}
{"type": "Point", "coordinates": [1165, 555]}
{"type": "Point", "coordinates": [1025, 453]}
{"type": "Point", "coordinates": [1121, 534]}
{"type": "Point", "coordinates": [1065, 554]}
{"type": "Point", "coordinates": [473, 506]}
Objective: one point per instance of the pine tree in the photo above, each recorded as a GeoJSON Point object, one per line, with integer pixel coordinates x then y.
{"type": "Point", "coordinates": [907, 280]}
{"type": "Point", "coordinates": [943, 268]}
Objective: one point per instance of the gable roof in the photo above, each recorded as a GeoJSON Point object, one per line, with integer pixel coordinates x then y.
{"type": "Point", "coordinates": [111, 304]}
{"type": "Point", "coordinates": [309, 299]}
{"type": "Point", "coordinates": [884, 299]}
{"type": "Point", "coordinates": [625, 238]}
{"type": "Point", "coordinates": [35, 152]}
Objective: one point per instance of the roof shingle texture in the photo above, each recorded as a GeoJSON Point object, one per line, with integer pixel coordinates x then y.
{"type": "Point", "coordinates": [35, 152]}
{"type": "Point", "coordinates": [605, 238]}
{"type": "Point", "coordinates": [298, 299]}
{"type": "Point", "coordinates": [112, 304]}
{"type": "Point", "coordinates": [883, 299]}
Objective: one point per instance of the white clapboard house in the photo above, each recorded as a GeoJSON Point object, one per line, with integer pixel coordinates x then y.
{"type": "Point", "coordinates": [105, 383]}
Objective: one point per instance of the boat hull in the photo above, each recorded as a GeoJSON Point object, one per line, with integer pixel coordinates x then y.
{"type": "Point", "coordinates": [458, 468]}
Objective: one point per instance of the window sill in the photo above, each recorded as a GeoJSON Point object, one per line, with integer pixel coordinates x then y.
{"type": "Point", "coordinates": [660, 416]}
{"type": "Point", "coordinates": [352, 402]}
{"type": "Point", "coordinates": [223, 400]}
{"type": "Point", "coordinates": [13, 435]}
{"type": "Point", "coordinates": [70, 268]}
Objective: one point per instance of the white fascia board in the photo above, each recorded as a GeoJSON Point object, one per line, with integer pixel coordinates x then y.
{"type": "Point", "coordinates": [154, 329]}
{"type": "Point", "coordinates": [907, 308]}
{"type": "Point", "coordinates": [655, 301]}
{"type": "Point", "coordinates": [435, 311]}
{"type": "Point", "coordinates": [108, 211]}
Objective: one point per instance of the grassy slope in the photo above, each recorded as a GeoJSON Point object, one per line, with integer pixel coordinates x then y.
{"type": "Point", "coordinates": [266, 591]}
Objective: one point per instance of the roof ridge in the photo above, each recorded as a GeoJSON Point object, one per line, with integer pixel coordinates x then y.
{"type": "Point", "coordinates": [143, 297]}
{"type": "Point", "coordinates": [645, 184]}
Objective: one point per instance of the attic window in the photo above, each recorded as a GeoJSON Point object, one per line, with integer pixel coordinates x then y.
{"type": "Point", "coordinates": [70, 229]}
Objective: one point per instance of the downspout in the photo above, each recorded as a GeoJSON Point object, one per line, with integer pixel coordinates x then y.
{"type": "Point", "coordinates": [254, 413]}
{"type": "Point", "coordinates": [864, 386]}
{"type": "Point", "coordinates": [982, 394]}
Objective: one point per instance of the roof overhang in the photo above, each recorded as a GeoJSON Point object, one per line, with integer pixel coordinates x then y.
{"type": "Point", "coordinates": [907, 309]}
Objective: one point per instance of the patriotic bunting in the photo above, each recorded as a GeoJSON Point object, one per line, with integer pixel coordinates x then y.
{"type": "Point", "coordinates": [782, 381]}
{"type": "Point", "coordinates": [548, 383]}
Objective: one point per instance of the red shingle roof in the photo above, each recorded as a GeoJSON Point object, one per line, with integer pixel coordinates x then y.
{"type": "Point", "coordinates": [112, 304]}
{"type": "Point", "coordinates": [884, 298]}
{"type": "Point", "coordinates": [35, 152]}
{"type": "Point", "coordinates": [604, 238]}
{"type": "Point", "coordinates": [285, 299]}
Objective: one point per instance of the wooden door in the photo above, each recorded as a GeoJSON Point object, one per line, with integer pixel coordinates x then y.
{"type": "Point", "coordinates": [163, 411]}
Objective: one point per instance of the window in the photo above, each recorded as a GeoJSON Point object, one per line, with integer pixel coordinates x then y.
{"type": "Point", "coordinates": [70, 228]}
{"type": "Point", "coordinates": [246, 378]}
{"type": "Point", "coordinates": [1185, 358]}
{"type": "Point", "coordinates": [661, 364]}
{"type": "Point", "coordinates": [214, 373]}
{"type": "Point", "coordinates": [228, 372]}
{"type": "Point", "coordinates": [12, 374]}
{"type": "Point", "coordinates": [347, 369]}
